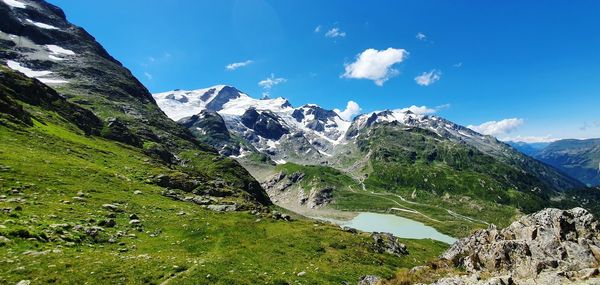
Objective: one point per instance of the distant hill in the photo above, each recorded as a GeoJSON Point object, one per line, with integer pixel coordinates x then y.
{"type": "Point", "coordinates": [578, 158]}
{"type": "Point", "coordinates": [530, 149]}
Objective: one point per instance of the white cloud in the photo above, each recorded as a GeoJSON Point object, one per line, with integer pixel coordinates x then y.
{"type": "Point", "coordinates": [420, 36]}
{"type": "Point", "coordinates": [375, 65]}
{"type": "Point", "coordinates": [236, 65]}
{"type": "Point", "coordinates": [318, 29]}
{"type": "Point", "coordinates": [271, 81]}
{"type": "Point", "coordinates": [498, 128]}
{"type": "Point", "coordinates": [442, 107]}
{"type": "Point", "coordinates": [335, 33]}
{"type": "Point", "coordinates": [421, 110]}
{"type": "Point", "coordinates": [457, 65]}
{"type": "Point", "coordinates": [530, 139]}
{"type": "Point", "coordinates": [148, 75]}
{"type": "Point", "coordinates": [428, 78]}
{"type": "Point", "coordinates": [352, 109]}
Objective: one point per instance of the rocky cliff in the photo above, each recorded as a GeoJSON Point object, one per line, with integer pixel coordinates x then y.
{"type": "Point", "coordinates": [551, 246]}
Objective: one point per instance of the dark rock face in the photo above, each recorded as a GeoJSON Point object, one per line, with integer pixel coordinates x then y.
{"type": "Point", "coordinates": [264, 124]}
{"type": "Point", "coordinates": [208, 121]}
{"type": "Point", "coordinates": [549, 246]}
{"type": "Point", "coordinates": [116, 130]}
{"type": "Point", "coordinates": [320, 113]}
{"type": "Point", "coordinates": [210, 128]}
{"type": "Point", "coordinates": [298, 115]}
{"type": "Point", "coordinates": [227, 93]}
{"type": "Point", "coordinates": [321, 117]}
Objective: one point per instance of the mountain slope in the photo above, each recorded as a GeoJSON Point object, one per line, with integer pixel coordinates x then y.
{"type": "Point", "coordinates": [449, 131]}
{"type": "Point", "coordinates": [38, 41]}
{"type": "Point", "coordinates": [578, 158]}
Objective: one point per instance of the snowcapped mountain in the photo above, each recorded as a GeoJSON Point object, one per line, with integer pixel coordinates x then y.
{"type": "Point", "coordinates": [438, 125]}
{"type": "Point", "coordinates": [306, 133]}
{"type": "Point", "coordinates": [271, 126]}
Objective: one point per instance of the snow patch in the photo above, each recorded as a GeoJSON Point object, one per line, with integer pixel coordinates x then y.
{"type": "Point", "coordinates": [54, 49]}
{"type": "Point", "coordinates": [52, 81]}
{"type": "Point", "coordinates": [15, 4]}
{"type": "Point", "coordinates": [42, 25]}
{"type": "Point", "coordinates": [38, 74]}
{"type": "Point", "coordinates": [28, 72]}
{"type": "Point", "coordinates": [55, 58]}
{"type": "Point", "coordinates": [239, 105]}
{"type": "Point", "coordinates": [280, 161]}
{"type": "Point", "coordinates": [272, 143]}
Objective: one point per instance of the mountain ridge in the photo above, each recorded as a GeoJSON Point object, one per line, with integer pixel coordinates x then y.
{"type": "Point", "coordinates": [324, 129]}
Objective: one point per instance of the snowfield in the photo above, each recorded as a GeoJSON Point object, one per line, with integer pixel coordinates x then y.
{"type": "Point", "coordinates": [42, 25]}
{"type": "Point", "coordinates": [15, 4]}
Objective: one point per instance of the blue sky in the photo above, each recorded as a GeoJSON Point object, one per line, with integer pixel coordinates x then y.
{"type": "Point", "coordinates": [530, 69]}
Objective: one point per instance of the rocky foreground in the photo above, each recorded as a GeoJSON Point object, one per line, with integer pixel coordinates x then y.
{"type": "Point", "coordinates": [551, 246]}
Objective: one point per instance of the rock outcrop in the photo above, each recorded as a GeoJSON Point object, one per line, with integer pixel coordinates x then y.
{"type": "Point", "coordinates": [286, 189]}
{"type": "Point", "coordinates": [386, 242]}
{"type": "Point", "coordinates": [551, 246]}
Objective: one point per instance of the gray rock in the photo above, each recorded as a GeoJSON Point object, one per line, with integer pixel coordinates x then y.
{"type": "Point", "coordinates": [386, 242]}
{"type": "Point", "coordinates": [222, 208]}
{"type": "Point", "coordinates": [110, 207]}
{"type": "Point", "coordinates": [350, 230]}
{"type": "Point", "coordinates": [369, 280]}
{"type": "Point", "coordinates": [24, 282]}
{"type": "Point", "coordinates": [551, 246]}
{"type": "Point", "coordinates": [4, 240]}
{"type": "Point", "coordinates": [93, 231]}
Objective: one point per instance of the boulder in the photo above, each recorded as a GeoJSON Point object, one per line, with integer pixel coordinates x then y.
{"type": "Point", "coordinates": [222, 208]}
{"type": "Point", "coordinates": [369, 280]}
{"type": "Point", "coordinates": [111, 207]}
{"type": "Point", "coordinates": [386, 242]}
